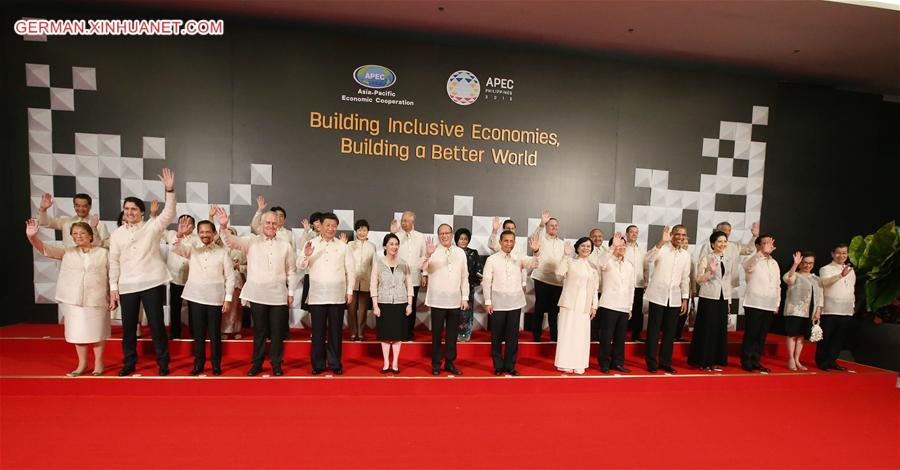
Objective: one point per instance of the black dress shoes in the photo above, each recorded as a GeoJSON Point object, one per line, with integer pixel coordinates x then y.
{"type": "Point", "coordinates": [316, 371]}
{"type": "Point", "coordinates": [453, 370]}
{"type": "Point", "coordinates": [652, 371]}
{"type": "Point", "coordinates": [840, 368]}
{"type": "Point", "coordinates": [669, 369]}
{"type": "Point", "coordinates": [604, 370]}
{"type": "Point", "coordinates": [277, 371]}
{"type": "Point", "coordinates": [126, 371]}
{"type": "Point", "coordinates": [498, 372]}
{"type": "Point", "coordinates": [338, 371]}
{"type": "Point", "coordinates": [513, 372]}
{"type": "Point", "coordinates": [764, 370]}
{"type": "Point", "coordinates": [748, 368]}
{"type": "Point", "coordinates": [217, 370]}
{"type": "Point", "coordinates": [254, 371]}
{"type": "Point", "coordinates": [435, 371]}
{"type": "Point", "coordinates": [622, 369]}
{"type": "Point", "coordinates": [164, 371]}
{"type": "Point", "coordinates": [196, 371]}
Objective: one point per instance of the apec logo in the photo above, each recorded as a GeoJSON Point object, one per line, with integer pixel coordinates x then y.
{"type": "Point", "coordinates": [463, 87]}
{"type": "Point", "coordinates": [374, 76]}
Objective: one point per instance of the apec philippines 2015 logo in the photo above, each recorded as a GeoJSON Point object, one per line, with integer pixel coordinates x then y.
{"type": "Point", "coordinates": [374, 76]}
{"type": "Point", "coordinates": [463, 87]}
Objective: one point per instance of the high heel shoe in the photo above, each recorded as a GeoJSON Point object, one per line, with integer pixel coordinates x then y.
{"type": "Point", "coordinates": [74, 373]}
{"type": "Point", "coordinates": [97, 373]}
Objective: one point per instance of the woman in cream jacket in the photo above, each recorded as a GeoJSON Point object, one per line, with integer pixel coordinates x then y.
{"type": "Point", "coordinates": [577, 307]}
{"type": "Point", "coordinates": [82, 290]}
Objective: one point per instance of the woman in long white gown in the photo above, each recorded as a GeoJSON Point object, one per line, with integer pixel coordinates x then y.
{"type": "Point", "coordinates": [82, 291]}
{"type": "Point", "coordinates": [577, 306]}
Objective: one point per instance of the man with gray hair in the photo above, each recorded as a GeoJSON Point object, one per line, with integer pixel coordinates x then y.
{"type": "Point", "coordinates": [412, 250]}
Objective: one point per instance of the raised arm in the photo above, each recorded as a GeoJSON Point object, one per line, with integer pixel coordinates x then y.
{"type": "Point", "coordinates": [563, 267]}
{"type": "Point", "coordinates": [45, 220]}
{"type": "Point", "coordinates": [32, 226]}
{"type": "Point", "coordinates": [749, 247]}
{"type": "Point", "coordinates": [706, 268]}
{"type": "Point", "coordinates": [493, 243]}
{"type": "Point", "coordinates": [168, 214]}
{"type": "Point", "coordinates": [231, 241]}
{"type": "Point", "coordinates": [429, 250]}
{"type": "Point", "coordinates": [256, 221]}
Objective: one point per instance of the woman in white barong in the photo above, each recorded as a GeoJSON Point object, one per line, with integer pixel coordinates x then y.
{"type": "Point", "coordinates": [577, 306]}
{"type": "Point", "coordinates": [82, 290]}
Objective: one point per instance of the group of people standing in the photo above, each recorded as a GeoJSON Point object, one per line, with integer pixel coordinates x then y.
{"type": "Point", "coordinates": [588, 290]}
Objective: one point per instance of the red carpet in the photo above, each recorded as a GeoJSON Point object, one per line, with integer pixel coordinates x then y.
{"type": "Point", "coordinates": [730, 420]}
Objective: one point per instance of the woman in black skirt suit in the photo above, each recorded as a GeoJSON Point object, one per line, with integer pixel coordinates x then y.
{"type": "Point", "coordinates": [392, 292]}
{"type": "Point", "coordinates": [709, 344]}
{"type": "Point", "coordinates": [804, 298]}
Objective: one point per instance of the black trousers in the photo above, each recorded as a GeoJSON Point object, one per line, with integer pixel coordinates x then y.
{"type": "Point", "coordinates": [546, 300]}
{"type": "Point", "coordinates": [175, 292]}
{"type": "Point", "coordinates": [206, 323]}
{"type": "Point", "coordinates": [305, 295]}
{"type": "Point", "coordinates": [269, 322]}
{"type": "Point", "coordinates": [636, 324]}
{"type": "Point", "coordinates": [756, 327]}
{"type": "Point", "coordinates": [439, 316]}
{"type": "Point", "coordinates": [505, 327]}
{"type": "Point", "coordinates": [665, 318]}
{"type": "Point", "coordinates": [153, 299]}
{"type": "Point", "coordinates": [613, 325]}
{"type": "Point", "coordinates": [327, 323]}
{"type": "Point", "coordinates": [834, 332]}
{"type": "Point", "coordinates": [411, 319]}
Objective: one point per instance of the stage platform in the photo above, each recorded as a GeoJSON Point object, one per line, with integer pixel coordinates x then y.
{"type": "Point", "coordinates": [363, 419]}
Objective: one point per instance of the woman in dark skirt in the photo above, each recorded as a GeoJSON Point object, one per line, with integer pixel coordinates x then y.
{"type": "Point", "coordinates": [804, 298]}
{"type": "Point", "coordinates": [709, 344]}
{"type": "Point", "coordinates": [392, 292]}
{"type": "Point", "coordinates": [466, 317]}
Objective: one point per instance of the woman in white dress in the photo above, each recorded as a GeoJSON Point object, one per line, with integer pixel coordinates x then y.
{"type": "Point", "coordinates": [232, 321]}
{"type": "Point", "coordinates": [82, 290]}
{"type": "Point", "coordinates": [577, 307]}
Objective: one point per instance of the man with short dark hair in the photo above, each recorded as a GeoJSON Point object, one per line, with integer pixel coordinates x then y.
{"type": "Point", "coordinates": [138, 275]}
{"type": "Point", "coordinates": [82, 204]}
{"type": "Point", "coordinates": [447, 294]}
{"type": "Point", "coordinates": [637, 256]}
{"type": "Point", "coordinates": [839, 283]}
{"type": "Point", "coordinates": [668, 292]}
{"type": "Point", "coordinates": [504, 299]}
{"type": "Point", "coordinates": [332, 272]}
{"type": "Point", "coordinates": [178, 270]}
{"type": "Point", "coordinates": [761, 300]}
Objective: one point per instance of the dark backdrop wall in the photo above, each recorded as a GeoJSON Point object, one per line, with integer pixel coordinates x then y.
{"type": "Point", "coordinates": [638, 142]}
